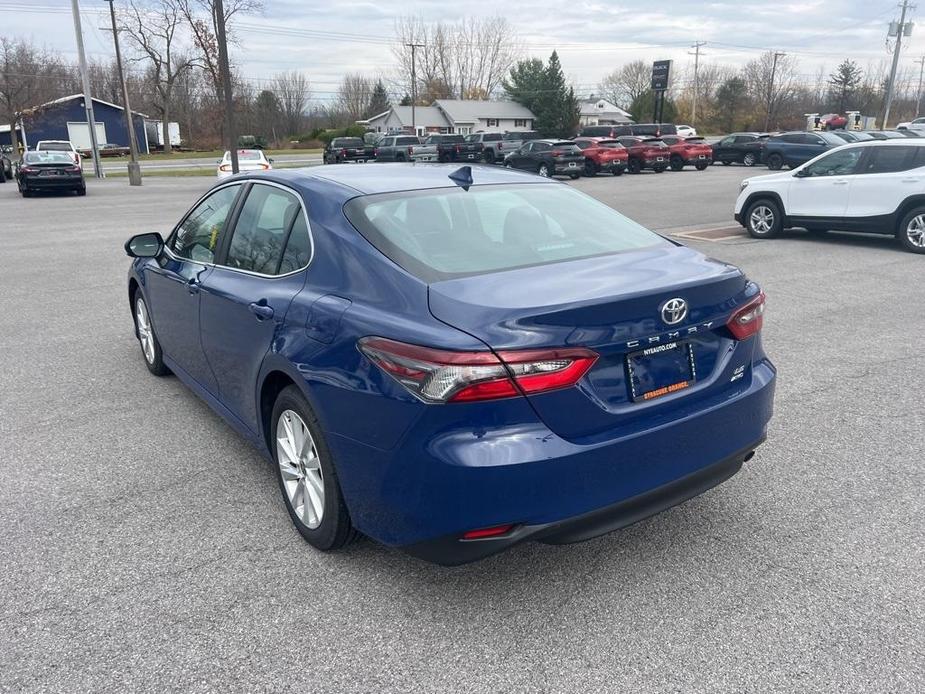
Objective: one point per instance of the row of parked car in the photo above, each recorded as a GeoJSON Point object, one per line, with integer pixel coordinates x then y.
{"type": "Point", "coordinates": [599, 149]}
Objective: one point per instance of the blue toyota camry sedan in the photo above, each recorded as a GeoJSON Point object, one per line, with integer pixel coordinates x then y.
{"type": "Point", "coordinates": [455, 360]}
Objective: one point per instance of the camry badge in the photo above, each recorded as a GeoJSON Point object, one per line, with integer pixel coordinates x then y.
{"type": "Point", "coordinates": [674, 311]}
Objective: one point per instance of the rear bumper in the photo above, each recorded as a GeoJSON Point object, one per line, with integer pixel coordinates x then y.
{"type": "Point", "coordinates": [451, 551]}
{"type": "Point", "coordinates": [54, 182]}
{"type": "Point", "coordinates": [615, 165]}
{"type": "Point", "coordinates": [452, 472]}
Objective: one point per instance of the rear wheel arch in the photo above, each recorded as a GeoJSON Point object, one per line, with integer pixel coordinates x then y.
{"type": "Point", "coordinates": [904, 208]}
{"type": "Point", "coordinates": [273, 384]}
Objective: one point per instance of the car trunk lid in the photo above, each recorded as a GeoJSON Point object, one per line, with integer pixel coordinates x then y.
{"type": "Point", "coordinates": [611, 305]}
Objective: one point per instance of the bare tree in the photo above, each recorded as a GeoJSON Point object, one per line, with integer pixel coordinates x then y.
{"type": "Point", "coordinates": [465, 60]}
{"type": "Point", "coordinates": [771, 81]}
{"type": "Point", "coordinates": [29, 76]}
{"type": "Point", "coordinates": [626, 84]}
{"type": "Point", "coordinates": [354, 95]}
{"type": "Point", "coordinates": [152, 27]}
{"type": "Point", "coordinates": [293, 91]}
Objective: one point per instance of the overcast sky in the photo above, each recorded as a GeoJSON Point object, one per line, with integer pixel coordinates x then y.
{"type": "Point", "coordinates": [327, 39]}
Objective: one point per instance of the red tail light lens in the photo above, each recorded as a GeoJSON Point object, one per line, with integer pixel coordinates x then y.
{"type": "Point", "coordinates": [458, 149]}
{"type": "Point", "coordinates": [439, 376]}
{"type": "Point", "coordinates": [410, 150]}
{"type": "Point", "coordinates": [749, 319]}
{"type": "Point", "coordinates": [375, 151]}
{"type": "Point", "coordinates": [28, 169]}
{"type": "Point", "coordinates": [225, 167]}
{"type": "Point", "coordinates": [73, 169]}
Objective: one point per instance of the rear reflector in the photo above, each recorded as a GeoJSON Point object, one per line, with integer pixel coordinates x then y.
{"type": "Point", "coordinates": [439, 376]}
{"type": "Point", "coordinates": [483, 533]}
{"type": "Point", "coordinates": [749, 319]}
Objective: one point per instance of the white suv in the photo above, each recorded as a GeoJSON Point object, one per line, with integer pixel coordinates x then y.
{"type": "Point", "coordinates": [876, 186]}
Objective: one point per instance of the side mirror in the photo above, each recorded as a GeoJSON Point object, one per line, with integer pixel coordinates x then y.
{"type": "Point", "coordinates": [144, 246]}
{"type": "Point", "coordinates": [800, 173]}
{"type": "Point", "coordinates": [270, 160]}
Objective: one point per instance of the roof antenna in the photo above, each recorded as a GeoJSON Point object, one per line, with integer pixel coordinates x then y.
{"type": "Point", "coordinates": [462, 177]}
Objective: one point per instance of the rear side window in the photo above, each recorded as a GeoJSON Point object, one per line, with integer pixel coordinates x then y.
{"type": "Point", "coordinates": [889, 159]}
{"type": "Point", "coordinates": [449, 232]}
{"type": "Point", "coordinates": [491, 137]}
{"type": "Point", "coordinates": [298, 248]}
{"type": "Point", "coordinates": [741, 139]}
{"type": "Point", "coordinates": [198, 236]}
{"type": "Point", "coordinates": [262, 228]}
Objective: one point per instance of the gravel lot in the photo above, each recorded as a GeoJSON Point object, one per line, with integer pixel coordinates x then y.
{"type": "Point", "coordinates": [145, 546]}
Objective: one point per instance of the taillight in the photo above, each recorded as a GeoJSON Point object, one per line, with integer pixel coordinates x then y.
{"type": "Point", "coordinates": [73, 169]}
{"type": "Point", "coordinates": [439, 376]}
{"type": "Point", "coordinates": [225, 167]}
{"type": "Point", "coordinates": [410, 150]}
{"type": "Point", "coordinates": [748, 320]}
{"type": "Point", "coordinates": [500, 146]}
{"type": "Point", "coordinates": [375, 151]}
{"type": "Point", "coordinates": [264, 166]}
{"type": "Point", "coordinates": [557, 153]}
{"type": "Point", "coordinates": [458, 149]}
{"type": "Point", "coordinates": [28, 169]}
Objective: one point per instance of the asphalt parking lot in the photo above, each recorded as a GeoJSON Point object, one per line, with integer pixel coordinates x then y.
{"type": "Point", "coordinates": [145, 546]}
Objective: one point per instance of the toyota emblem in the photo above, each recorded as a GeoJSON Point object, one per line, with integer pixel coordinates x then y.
{"type": "Point", "coordinates": [674, 311]}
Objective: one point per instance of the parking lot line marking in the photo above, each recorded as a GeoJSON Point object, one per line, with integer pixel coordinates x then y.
{"type": "Point", "coordinates": [712, 234]}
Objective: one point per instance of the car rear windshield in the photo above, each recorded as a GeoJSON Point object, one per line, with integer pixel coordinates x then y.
{"type": "Point", "coordinates": [347, 142]}
{"type": "Point", "coordinates": [449, 232]}
{"type": "Point", "coordinates": [247, 155]}
{"type": "Point", "coordinates": [450, 138]}
{"type": "Point", "coordinates": [410, 140]}
{"type": "Point", "coordinates": [55, 147]}
{"type": "Point", "coordinates": [615, 144]}
{"type": "Point", "coordinates": [524, 135]}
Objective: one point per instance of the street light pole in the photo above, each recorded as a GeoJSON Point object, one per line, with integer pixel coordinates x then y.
{"type": "Point", "coordinates": [134, 169]}
{"type": "Point", "coordinates": [697, 46]}
{"type": "Point", "coordinates": [918, 94]}
{"type": "Point", "coordinates": [767, 118]}
{"type": "Point", "coordinates": [226, 83]}
{"type": "Point", "coordinates": [88, 97]}
{"type": "Point", "coordinates": [899, 41]}
{"type": "Point", "coordinates": [414, 82]}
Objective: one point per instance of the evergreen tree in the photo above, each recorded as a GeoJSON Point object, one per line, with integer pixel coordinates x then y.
{"type": "Point", "coordinates": [843, 84]}
{"type": "Point", "coordinates": [405, 101]}
{"type": "Point", "coordinates": [379, 101]}
{"type": "Point", "coordinates": [543, 90]}
{"type": "Point", "coordinates": [643, 108]}
{"type": "Point", "coordinates": [731, 101]}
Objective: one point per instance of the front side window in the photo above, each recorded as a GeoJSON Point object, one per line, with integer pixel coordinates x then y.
{"type": "Point", "coordinates": [450, 232]}
{"type": "Point", "coordinates": [261, 230]}
{"type": "Point", "coordinates": [889, 159]}
{"type": "Point", "coordinates": [841, 163]}
{"type": "Point", "coordinates": [199, 234]}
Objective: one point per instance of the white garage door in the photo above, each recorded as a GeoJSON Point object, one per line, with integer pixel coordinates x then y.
{"type": "Point", "coordinates": [79, 134]}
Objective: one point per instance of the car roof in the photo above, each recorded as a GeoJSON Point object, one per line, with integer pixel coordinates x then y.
{"type": "Point", "coordinates": [370, 179]}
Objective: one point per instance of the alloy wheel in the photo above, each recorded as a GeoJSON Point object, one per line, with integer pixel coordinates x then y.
{"type": "Point", "coordinates": [749, 159]}
{"type": "Point", "coordinates": [543, 171]}
{"type": "Point", "coordinates": [915, 231]}
{"type": "Point", "coordinates": [145, 334]}
{"type": "Point", "coordinates": [300, 467]}
{"type": "Point", "coordinates": [761, 219]}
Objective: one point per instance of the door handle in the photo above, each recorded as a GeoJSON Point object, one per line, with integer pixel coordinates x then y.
{"type": "Point", "coordinates": [193, 285]}
{"type": "Point", "coordinates": [910, 180]}
{"type": "Point", "coordinates": [840, 183]}
{"type": "Point", "coordinates": [261, 310]}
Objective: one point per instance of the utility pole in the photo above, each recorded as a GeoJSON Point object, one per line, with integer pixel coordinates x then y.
{"type": "Point", "coordinates": [414, 83]}
{"type": "Point", "coordinates": [134, 169]}
{"type": "Point", "coordinates": [88, 97]}
{"type": "Point", "coordinates": [918, 97]}
{"type": "Point", "coordinates": [697, 45]}
{"type": "Point", "coordinates": [900, 29]}
{"type": "Point", "coordinates": [226, 83]}
{"type": "Point", "coordinates": [767, 118]}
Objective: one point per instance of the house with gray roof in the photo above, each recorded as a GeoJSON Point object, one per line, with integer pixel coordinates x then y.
{"type": "Point", "coordinates": [470, 116]}
{"type": "Point", "coordinates": [454, 116]}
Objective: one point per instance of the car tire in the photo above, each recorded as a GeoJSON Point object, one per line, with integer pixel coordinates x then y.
{"type": "Point", "coordinates": [701, 166]}
{"type": "Point", "coordinates": [574, 176]}
{"type": "Point", "coordinates": [911, 232]}
{"type": "Point", "coordinates": [147, 339]}
{"type": "Point", "coordinates": [590, 169]}
{"type": "Point", "coordinates": [726, 162]}
{"type": "Point", "coordinates": [749, 159]}
{"type": "Point", "coordinates": [659, 169]}
{"type": "Point", "coordinates": [489, 156]}
{"type": "Point", "coordinates": [677, 163]}
{"type": "Point", "coordinates": [775, 162]}
{"type": "Point", "coordinates": [617, 171]}
{"type": "Point", "coordinates": [81, 191]}
{"type": "Point", "coordinates": [634, 166]}
{"type": "Point", "coordinates": [306, 475]}
{"type": "Point", "coordinates": [443, 158]}
{"type": "Point", "coordinates": [543, 170]}
{"type": "Point", "coordinates": [399, 157]}
{"type": "Point", "coordinates": [763, 219]}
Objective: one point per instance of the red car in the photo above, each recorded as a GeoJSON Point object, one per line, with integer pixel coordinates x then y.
{"type": "Point", "coordinates": [645, 153]}
{"type": "Point", "coordinates": [602, 154]}
{"type": "Point", "coordinates": [832, 121]}
{"type": "Point", "coordinates": [688, 150]}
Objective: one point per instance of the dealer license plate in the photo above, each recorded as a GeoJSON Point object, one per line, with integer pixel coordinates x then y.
{"type": "Point", "coordinates": [660, 370]}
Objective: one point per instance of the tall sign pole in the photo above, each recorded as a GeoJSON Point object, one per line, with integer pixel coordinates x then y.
{"type": "Point", "coordinates": [767, 118]}
{"type": "Point", "coordinates": [226, 83]}
{"type": "Point", "coordinates": [134, 169]}
{"type": "Point", "coordinates": [918, 94]}
{"type": "Point", "coordinates": [697, 46]}
{"type": "Point", "coordinates": [661, 73]}
{"type": "Point", "coordinates": [88, 97]}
